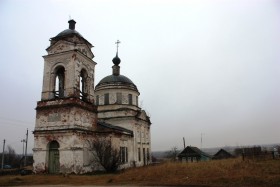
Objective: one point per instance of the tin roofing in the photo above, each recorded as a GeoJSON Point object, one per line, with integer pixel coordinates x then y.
{"type": "Point", "coordinates": [115, 79]}
{"type": "Point", "coordinates": [68, 32]}
{"type": "Point", "coordinates": [110, 126]}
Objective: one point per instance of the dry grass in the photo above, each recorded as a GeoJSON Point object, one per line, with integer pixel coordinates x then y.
{"type": "Point", "coordinates": [232, 172]}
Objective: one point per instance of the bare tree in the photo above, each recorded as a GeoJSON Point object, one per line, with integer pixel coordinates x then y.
{"type": "Point", "coordinates": [172, 154]}
{"type": "Point", "coordinates": [11, 158]}
{"type": "Point", "coordinates": [105, 154]}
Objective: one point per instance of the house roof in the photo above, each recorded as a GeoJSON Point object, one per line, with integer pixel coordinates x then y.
{"type": "Point", "coordinates": [222, 154]}
{"type": "Point", "coordinates": [114, 127]}
{"type": "Point", "coordinates": [192, 151]}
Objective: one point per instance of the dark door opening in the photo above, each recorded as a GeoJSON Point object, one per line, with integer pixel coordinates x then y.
{"type": "Point", "coordinates": [54, 157]}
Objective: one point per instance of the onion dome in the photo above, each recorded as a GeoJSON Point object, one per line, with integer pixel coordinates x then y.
{"type": "Point", "coordinates": [116, 79]}
{"type": "Point", "coordinates": [116, 60]}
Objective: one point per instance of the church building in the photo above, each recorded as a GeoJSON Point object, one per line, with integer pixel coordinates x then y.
{"type": "Point", "coordinates": [72, 113]}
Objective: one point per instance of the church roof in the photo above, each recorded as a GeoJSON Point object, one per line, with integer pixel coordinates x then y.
{"type": "Point", "coordinates": [113, 127]}
{"type": "Point", "coordinates": [70, 31]}
{"type": "Point", "coordinates": [115, 79]}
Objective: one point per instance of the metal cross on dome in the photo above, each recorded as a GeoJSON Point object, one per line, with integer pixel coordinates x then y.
{"type": "Point", "coordinates": [117, 42]}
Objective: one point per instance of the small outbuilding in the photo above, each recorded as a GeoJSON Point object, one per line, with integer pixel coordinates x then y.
{"type": "Point", "coordinates": [193, 154]}
{"type": "Point", "coordinates": [222, 154]}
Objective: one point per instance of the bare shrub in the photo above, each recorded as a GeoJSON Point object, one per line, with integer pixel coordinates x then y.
{"type": "Point", "coordinates": [105, 154]}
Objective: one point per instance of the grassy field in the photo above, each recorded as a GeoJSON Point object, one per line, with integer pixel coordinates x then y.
{"type": "Point", "coordinates": [233, 172]}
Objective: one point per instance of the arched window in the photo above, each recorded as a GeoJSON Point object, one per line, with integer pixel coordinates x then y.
{"type": "Point", "coordinates": [59, 82]}
{"type": "Point", "coordinates": [83, 85]}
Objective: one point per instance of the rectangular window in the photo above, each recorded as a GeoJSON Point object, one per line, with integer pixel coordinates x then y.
{"type": "Point", "coordinates": [136, 100]}
{"type": "Point", "coordinates": [138, 136]}
{"type": "Point", "coordinates": [139, 154]}
{"type": "Point", "coordinates": [106, 99]}
{"type": "Point", "coordinates": [130, 99]}
{"type": "Point", "coordinates": [119, 98]}
{"type": "Point", "coordinates": [126, 155]}
{"type": "Point", "coordinates": [144, 156]}
{"type": "Point", "coordinates": [148, 155]}
{"type": "Point", "coordinates": [123, 155]}
{"type": "Point", "coordinates": [97, 100]}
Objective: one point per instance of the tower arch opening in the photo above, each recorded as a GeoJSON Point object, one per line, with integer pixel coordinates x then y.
{"type": "Point", "coordinates": [83, 85]}
{"type": "Point", "coordinates": [59, 82]}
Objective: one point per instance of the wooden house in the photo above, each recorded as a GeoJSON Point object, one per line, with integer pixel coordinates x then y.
{"type": "Point", "coordinates": [193, 154]}
{"type": "Point", "coordinates": [222, 154]}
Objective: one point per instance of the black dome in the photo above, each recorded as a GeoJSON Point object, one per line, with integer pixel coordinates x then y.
{"type": "Point", "coordinates": [68, 32]}
{"type": "Point", "coordinates": [116, 60]}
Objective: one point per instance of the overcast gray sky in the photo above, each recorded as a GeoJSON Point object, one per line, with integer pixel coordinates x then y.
{"type": "Point", "coordinates": [207, 67]}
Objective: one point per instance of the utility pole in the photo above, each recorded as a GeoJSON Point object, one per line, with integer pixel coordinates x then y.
{"type": "Point", "coordinates": [201, 141]}
{"type": "Point", "coordinates": [26, 148]}
{"type": "Point", "coordinates": [23, 142]}
{"type": "Point", "coordinates": [3, 153]}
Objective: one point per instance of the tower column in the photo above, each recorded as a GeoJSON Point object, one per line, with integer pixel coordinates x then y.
{"type": "Point", "coordinates": [66, 115]}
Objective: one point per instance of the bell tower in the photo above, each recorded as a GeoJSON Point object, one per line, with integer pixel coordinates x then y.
{"type": "Point", "coordinates": [66, 115]}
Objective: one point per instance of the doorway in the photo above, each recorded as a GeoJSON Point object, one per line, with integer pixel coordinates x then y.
{"type": "Point", "coordinates": [53, 157]}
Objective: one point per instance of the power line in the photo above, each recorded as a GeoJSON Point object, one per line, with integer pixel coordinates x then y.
{"type": "Point", "coordinates": [15, 120]}
{"type": "Point", "coordinates": [13, 124]}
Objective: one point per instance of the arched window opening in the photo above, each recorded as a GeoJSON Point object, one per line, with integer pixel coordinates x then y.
{"type": "Point", "coordinates": [83, 85]}
{"type": "Point", "coordinates": [59, 82]}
